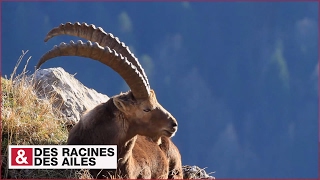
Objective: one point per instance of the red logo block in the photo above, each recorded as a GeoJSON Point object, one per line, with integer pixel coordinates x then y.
{"type": "Point", "coordinates": [21, 157]}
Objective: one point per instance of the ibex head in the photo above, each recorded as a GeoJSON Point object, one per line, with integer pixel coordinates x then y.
{"type": "Point", "coordinates": [140, 106]}
{"type": "Point", "coordinates": [146, 115]}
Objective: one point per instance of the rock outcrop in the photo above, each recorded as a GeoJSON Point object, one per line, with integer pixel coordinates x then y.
{"type": "Point", "coordinates": [71, 97]}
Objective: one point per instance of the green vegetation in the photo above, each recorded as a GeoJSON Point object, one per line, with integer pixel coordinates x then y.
{"type": "Point", "coordinates": [280, 61]}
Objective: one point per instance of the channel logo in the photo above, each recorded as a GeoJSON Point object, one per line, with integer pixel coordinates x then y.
{"type": "Point", "coordinates": [21, 156]}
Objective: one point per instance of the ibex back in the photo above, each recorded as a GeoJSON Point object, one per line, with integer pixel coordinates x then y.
{"type": "Point", "coordinates": [134, 121]}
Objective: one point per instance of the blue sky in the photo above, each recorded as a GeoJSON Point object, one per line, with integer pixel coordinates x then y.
{"type": "Point", "coordinates": [240, 78]}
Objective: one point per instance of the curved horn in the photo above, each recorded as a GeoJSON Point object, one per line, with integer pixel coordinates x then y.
{"type": "Point", "coordinates": [105, 55]}
{"type": "Point", "coordinates": [91, 33]}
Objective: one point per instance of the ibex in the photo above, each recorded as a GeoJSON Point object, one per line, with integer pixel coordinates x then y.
{"type": "Point", "coordinates": [134, 121]}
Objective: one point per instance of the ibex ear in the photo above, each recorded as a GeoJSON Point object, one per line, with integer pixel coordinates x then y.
{"type": "Point", "coordinates": [121, 104]}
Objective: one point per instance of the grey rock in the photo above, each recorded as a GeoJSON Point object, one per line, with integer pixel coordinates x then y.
{"type": "Point", "coordinates": [71, 97]}
{"type": "Point", "coordinates": [195, 172]}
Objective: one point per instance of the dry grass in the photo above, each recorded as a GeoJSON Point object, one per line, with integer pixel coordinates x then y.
{"type": "Point", "coordinates": [27, 120]}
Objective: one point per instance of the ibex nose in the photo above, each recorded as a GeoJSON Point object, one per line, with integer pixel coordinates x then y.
{"type": "Point", "coordinates": [174, 124]}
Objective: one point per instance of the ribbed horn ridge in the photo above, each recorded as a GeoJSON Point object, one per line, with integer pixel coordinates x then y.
{"type": "Point", "coordinates": [97, 34]}
{"type": "Point", "coordinates": [105, 55]}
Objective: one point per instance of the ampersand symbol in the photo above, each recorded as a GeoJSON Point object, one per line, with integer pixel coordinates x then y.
{"type": "Point", "coordinates": [20, 159]}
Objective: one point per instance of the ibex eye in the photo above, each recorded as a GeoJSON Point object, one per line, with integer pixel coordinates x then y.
{"type": "Point", "coordinates": [147, 110]}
